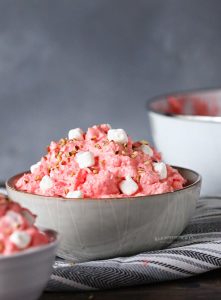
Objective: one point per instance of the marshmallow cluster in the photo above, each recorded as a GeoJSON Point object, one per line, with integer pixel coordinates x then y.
{"type": "Point", "coordinates": [100, 162]}
{"type": "Point", "coordinates": [17, 230]}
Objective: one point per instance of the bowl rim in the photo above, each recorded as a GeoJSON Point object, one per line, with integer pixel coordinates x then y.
{"type": "Point", "coordinates": [36, 249]}
{"type": "Point", "coordinates": [196, 118]}
{"type": "Point", "coordinates": [198, 180]}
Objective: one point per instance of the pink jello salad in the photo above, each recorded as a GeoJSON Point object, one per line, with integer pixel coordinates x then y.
{"type": "Point", "coordinates": [17, 230]}
{"type": "Point", "coordinates": [100, 163]}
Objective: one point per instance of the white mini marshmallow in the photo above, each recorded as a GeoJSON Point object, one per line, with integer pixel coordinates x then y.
{"type": "Point", "coordinates": [128, 186]}
{"type": "Point", "coordinates": [161, 168]}
{"type": "Point", "coordinates": [147, 150]}
{"type": "Point", "coordinates": [74, 194]}
{"type": "Point", "coordinates": [35, 167]}
{"type": "Point", "coordinates": [76, 134]}
{"type": "Point", "coordinates": [14, 218]}
{"type": "Point", "coordinates": [85, 159]}
{"type": "Point", "coordinates": [46, 183]}
{"type": "Point", "coordinates": [117, 135]}
{"type": "Point", "coordinates": [20, 239]}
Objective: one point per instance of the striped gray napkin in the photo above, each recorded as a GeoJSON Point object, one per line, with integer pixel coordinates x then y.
{"type": "Point", "coordinates": [196, 251]}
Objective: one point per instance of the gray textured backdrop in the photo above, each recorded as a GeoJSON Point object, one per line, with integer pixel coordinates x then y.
{"type": "Point", "coordinates": [76, 63]}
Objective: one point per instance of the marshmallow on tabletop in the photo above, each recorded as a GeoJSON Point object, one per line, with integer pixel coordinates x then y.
{"type": "Point", "coordinates": [76, 134]}
{"type": "Point", "coordinates": [128, 186]}
{"type": "Point", "coordinates": [35, 167]}
{"type": "Point", "coordinates": [46, 183]}
{"type": "Point", "coordinates": [85, 159]}
{"type": "Point", "coordinates": [20, 239]}
{"type": "Point", "coordinates": [74, 194]}
{"type": "Point", "coordinates": [117, 135]}
{"type": "Point", "coordinates": [161, 169]}
{"type": "Point", "coordinates": [147, 150]}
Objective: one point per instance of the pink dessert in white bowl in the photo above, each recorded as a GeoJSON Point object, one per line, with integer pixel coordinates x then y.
{"type": "Point", "coordinates": [17, 229]}
{"type": "Point", "coordinates": [100, 163]}
{"type": "Point", "coordinates": [26, 252]}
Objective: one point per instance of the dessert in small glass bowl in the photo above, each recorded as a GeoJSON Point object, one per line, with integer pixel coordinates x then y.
{"type": "Point", "coordinates": [26, 253]}
{"type": "Point", "coordinates": [106, 194]}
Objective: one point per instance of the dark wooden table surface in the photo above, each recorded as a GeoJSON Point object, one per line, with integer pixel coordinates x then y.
{"type": "Point", "coordinates": [205, 286]}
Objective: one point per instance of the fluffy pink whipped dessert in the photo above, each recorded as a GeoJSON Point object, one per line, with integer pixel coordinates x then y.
{"type": "Point", "coordinates": [17, 230]}
{"type": "Point", "coordinates": [192, 105]}
{"type": "Point", "coordinates": [100, 163]}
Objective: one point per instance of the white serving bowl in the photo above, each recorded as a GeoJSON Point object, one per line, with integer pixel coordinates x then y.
{"type": "Point", "coordinates": [188, 140]}
{"type": "Point", "coordinates": [24, 275]}
{"type": "Point", "coordinates": [101, 228]}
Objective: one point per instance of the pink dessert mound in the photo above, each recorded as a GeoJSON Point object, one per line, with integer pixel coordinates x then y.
{"type": "Point", "coordinates": [100, 163]}
{"type": "Point", "coordinates": [17, 230]}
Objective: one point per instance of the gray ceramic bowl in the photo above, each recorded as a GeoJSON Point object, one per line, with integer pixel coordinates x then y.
{"type": "Point", "coordinates": [101, 228]}
{"type": "Point", "coordinates": [190, 136]}
{"type": "Point", "coordinates": [24, 275]}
